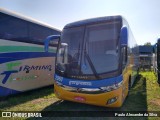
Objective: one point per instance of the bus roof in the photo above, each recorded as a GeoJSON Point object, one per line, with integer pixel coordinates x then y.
{"type": "Point", "coordinates": [93, 21]}
{"type": "Point", "coordinates": [11, 13]}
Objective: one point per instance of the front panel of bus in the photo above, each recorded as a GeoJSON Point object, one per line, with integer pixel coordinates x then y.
{"type": "Point", "coordinates": [88, 64]}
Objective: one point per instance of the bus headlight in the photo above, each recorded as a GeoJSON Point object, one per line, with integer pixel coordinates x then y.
{"type": "Point", "coordinates": [112, 87]}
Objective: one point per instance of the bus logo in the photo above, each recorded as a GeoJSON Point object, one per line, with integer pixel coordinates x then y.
{"type": "Point", "coordinates": [6, 114]}
{"type": "Point", "coordinates": [77, 83]}
{"type": "Point", "coordinates": [11, 70]}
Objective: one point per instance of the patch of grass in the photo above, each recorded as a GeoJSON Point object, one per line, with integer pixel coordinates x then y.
{"type": "Point", "coordinates": [153, 91]}
{"type": "Point", "coordinates": [35, 100]}
{"type": "Point", "coordinates": [136, 100]}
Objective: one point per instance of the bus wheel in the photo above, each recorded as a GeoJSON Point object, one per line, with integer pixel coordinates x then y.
{"type": "Point", "coordinates": [129, 84]}
{"type": "Point", "coordinates": [158, 78]}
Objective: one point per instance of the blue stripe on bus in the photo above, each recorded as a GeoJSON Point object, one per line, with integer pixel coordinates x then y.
{"type": "Point", "coordinates": [88, 83]}
{"type": "Point", "coordinates": [7, 91]}
{"type": "Point", "coordinates": [7, 57]}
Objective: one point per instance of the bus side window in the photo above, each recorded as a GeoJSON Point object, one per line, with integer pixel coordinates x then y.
{"type": "Point", "coordinates": [124, 57]}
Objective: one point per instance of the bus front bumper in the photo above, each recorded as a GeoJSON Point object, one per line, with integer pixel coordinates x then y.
{"type": "Point", "coordinates": [107, 99]}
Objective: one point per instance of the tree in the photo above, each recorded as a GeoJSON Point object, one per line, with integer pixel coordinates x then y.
{"type": "Point", "coordinates": [147, 44]}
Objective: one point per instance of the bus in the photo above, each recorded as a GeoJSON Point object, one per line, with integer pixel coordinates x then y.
{"type": "Point", "coordinates": [97, 61]}
{"type": "Point", "coordinates": [23, 63]}
{"type": "Point", "coordinates": [156, 60]}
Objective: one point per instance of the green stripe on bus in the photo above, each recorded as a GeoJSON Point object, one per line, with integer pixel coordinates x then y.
{"type": "Point", "coordinates": [23, 49]}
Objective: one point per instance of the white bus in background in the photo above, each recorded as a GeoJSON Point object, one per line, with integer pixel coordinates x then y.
{"type": "Point", "coordinates": [23, 63]}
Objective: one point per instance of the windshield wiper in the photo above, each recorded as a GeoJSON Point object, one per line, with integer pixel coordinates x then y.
{"type": "Point", "coordinates": [76, 60]}
{"type": "Point", "coordinates": [79, 58]}
{"type": "Point", "coordinates": [91, 63]}
{"type": "Point", "coordinates": [79, 52]}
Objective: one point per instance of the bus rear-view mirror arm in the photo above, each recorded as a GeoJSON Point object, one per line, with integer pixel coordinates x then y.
{"type": "Point", "coordinates": [48, 39]}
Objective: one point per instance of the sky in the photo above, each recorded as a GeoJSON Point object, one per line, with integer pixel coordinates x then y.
{"type": "Point", "coordinates": [143, 16]}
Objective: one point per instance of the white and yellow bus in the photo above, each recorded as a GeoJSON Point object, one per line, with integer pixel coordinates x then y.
{"type": "Point", "coordinates": [23, 63]}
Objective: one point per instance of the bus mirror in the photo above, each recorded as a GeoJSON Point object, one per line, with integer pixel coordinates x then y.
{"type": "Point", "coordinates": [124, 36]}
{"type": "Point", "coordinates": [48, 39]}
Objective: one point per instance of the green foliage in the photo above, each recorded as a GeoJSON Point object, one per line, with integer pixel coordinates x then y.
{"type": "Point", "coordinates": [147, 44]}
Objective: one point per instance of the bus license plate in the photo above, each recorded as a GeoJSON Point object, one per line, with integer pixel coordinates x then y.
{"type": "Point", "coordinates": [78, 98]}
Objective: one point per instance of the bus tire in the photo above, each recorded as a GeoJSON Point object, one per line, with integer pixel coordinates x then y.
{"type": "Point", "coordinates": [129, 84]}
{"type": "Point", "coordinates": [138, 71]}
{"type": "Point", "coordinates": [158, 78]}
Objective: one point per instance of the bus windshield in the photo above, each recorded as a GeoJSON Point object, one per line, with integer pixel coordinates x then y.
{"type": "Point", "coordinates": [89, 50]}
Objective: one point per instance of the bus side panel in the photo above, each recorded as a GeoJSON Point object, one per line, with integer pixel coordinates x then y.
{"type": "Point", "coordinates": [126, 76]}
{"type": "Point", "coordinates": [24, 67]}
{"type": "Point", "coordinates": [133, 54]}
{"type": "Point", "coordinates": [132, 65]}
{"type": "Point", "coordinates": [40, 74]}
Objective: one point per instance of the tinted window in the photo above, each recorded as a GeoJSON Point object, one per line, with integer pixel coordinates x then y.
{"type": "Point", "coordinates": [54, 32]}
{"type": "Point", "coordinates": [102, 46]}
{"type": "Point", "coordinates": [12, 28]}
{"type": "Point", "coordinates": [38, 33]}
